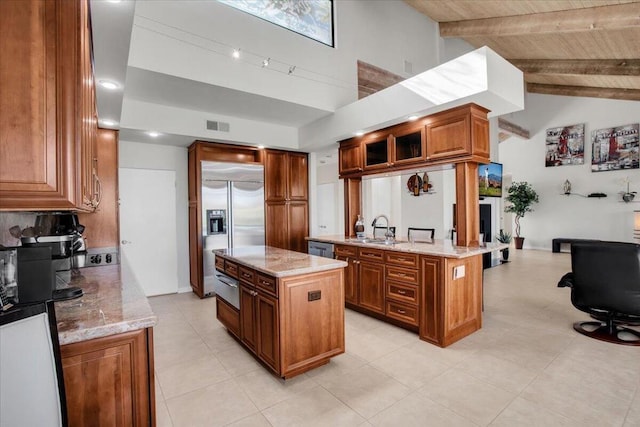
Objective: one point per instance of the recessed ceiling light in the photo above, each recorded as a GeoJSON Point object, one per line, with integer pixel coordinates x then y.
{"type": "Point", "coordinates": [412, 118]}
{"type": "Point", "coordinates": [236, 53]}
{"type": "Point", "coordinates": [108, 84]}
{"type": "Point", "coordinates": [153, 134]}
{"type": "Point", "coordinates": [108, 122]}
{"type": "Point", "coordinates": [359, 133]}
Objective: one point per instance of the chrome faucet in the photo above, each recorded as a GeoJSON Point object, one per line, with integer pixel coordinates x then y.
{"type": "Point", "coordinates": [388, 235]}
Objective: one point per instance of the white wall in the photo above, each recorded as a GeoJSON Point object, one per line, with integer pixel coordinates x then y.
{"type": "Point", "coordinates": [162, 157]}
{"type": "Point", "coordinates": [558, 215]}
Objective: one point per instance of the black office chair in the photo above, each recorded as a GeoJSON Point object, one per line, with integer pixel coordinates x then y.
{"type": "Point", "coordinates": [421, 232]}
{"type": "Point", "coordinates": [605, 282]}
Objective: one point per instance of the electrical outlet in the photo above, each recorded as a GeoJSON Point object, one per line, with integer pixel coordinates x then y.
{"type": "Point", "coordinates": [458, 272]}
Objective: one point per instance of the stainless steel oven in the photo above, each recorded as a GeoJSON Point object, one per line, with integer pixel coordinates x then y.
{"type": "Point", "coordinates": [227, 288]}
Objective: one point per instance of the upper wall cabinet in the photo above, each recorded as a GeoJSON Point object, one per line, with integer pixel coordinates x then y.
{"type": "Point", "coordinates": [456, 135]}
{"type": "Point", "coordinates": [458, 132]}
{"type": "Point", "coordinates": [48, 119]}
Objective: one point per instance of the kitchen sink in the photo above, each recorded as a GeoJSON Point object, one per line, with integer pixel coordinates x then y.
{"type": "Point", "coordinates": [376, 241]}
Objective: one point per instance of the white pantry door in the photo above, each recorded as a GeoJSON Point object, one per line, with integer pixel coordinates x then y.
{"type": "Point", "coordinates": [148, 229]}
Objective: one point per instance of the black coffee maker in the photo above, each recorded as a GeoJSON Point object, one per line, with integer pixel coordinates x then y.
{"type": "Point", "coordinates": [61, 232]}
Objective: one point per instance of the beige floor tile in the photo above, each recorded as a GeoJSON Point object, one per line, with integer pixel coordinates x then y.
{"type": "Point", "coordinates": [315, 407]}
{"type": "Point", "coordinates": [368, 345]}
{"type": "Point", "coordinates": [219, 340]}
{"type": "Point", "coordinates": [238, 361]}
{"type": "Point", "coordinates": [523, 413]}
{"type": "Point", "coordinates": [178, 350]}
{"type": "Point", "coordinates": [216, 405]}
{"type": "Point", "coordinates": [183, 377]}
{"type": "Point", "coordinates": [585, 405]}
{"type": "Point", "coordinates": [419, 411]}
{"type": "Point", "coordinates": [171, 331]}
{"type": "Point", "coordinates": [501, 373]}
{"type": "Point", "coordinates": [467, 396]}
{"type": "Point", "coordinates": [255, 420]}
{"type": "Point", "coordinates": [163, 419]}
{"type": "Point", "coordinates": [449, 356]}
{"type": "Point", "coordinates": [409, 368]}
{"type": "Point", "coordinates": [366, 390]}
{"type": "Point", "coordinates": [265, 389]}
{"type": "Point", "coordinates": [633, 416]}
{"type": "Point", "coordinates": [337, 366]}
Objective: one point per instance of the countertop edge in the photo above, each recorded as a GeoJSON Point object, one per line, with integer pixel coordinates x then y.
{"type": "Point", "coordinates": [421, 249]}
{"type": "Point", "coordinates": [88, 334]}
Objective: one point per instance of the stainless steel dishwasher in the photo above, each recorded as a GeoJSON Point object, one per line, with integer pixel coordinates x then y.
{"type": "Point", "coordinates": [322, 249]}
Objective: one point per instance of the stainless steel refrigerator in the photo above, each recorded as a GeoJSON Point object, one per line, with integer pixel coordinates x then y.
{"type": "Point", "coordinates": [232, 210]}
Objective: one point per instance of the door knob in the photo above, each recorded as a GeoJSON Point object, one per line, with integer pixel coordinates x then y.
{"type": "Point", "coordinates": [125, 242]}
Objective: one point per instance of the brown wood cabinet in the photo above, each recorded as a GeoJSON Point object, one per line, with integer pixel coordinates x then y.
{"type": "Point", "coordinates": [349, 254]}
{"type": "Point", "coordinates": [350, 157]}
{"type": "Point", "coordinates": [371, 290]}
{"type": "Point", "coordinates": [452, 136]}
{"type": "Point", "coordinates": [286, 200]}
{"type": "Point", "coordinates": [102, 226]}
{"type": "Point", "coordinates": [48, 118]}
{"type": "Point", "coordinates": [450, 308]}
{"type": "Point", "coordinates": [110, 380]}
{"type": "Point", "coordinates": [281, 325]}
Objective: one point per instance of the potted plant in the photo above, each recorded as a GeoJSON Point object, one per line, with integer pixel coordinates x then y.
{"type": "Point", "coordinates": [504, 238]}
{"type": "Point", "coordinates": [521, 195]}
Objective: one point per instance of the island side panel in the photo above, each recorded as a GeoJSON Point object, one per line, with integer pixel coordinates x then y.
{"type": "Point", "coordinates": [311, 320]}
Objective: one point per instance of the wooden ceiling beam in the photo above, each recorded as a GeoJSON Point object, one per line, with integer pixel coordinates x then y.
{"type": "Point", "coordinates": [592, 92]}
{"type": "Point", "coordinates": [601, 67]}
{"type": "Point", "coordinates": [611, 17]}
{"type": "Point", "coordinates": [513, 129]}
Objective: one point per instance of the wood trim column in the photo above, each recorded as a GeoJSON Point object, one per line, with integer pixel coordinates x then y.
{"type": "Point", "coordinates": [352, 204]}
{"type": "Point", "coordinates": [467, 204]}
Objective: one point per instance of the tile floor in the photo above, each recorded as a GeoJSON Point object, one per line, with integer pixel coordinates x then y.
{"type": "Point", "coordinates": [525, 367]}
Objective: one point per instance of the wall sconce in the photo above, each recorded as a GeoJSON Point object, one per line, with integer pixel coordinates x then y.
{"type": "Point", "coordinates": [636, 225]}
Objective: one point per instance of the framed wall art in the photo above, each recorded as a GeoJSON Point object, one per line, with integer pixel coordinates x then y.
{"type": "Point", "coordinates": [615, 148]}
{"type": "Point", "coordinates": [565, 145]}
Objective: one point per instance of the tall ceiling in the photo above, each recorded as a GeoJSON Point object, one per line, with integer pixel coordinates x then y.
{"type": "Point", "coordinates": [566, 47]}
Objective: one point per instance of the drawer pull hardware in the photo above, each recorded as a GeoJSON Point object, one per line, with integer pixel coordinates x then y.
{"type": "Point", "coordinates": [400, 311]}
{"type": "Point", "coordinates": [402, 292]}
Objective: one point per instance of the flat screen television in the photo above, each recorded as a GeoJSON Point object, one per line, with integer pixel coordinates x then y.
{"type": "Point", "coordinates": [490, 180]}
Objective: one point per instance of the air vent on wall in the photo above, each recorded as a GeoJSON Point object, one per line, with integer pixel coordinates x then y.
{"type": "Point", "coordinates": [219, 126]}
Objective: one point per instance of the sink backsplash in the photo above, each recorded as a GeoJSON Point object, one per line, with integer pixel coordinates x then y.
{"type": "Point", "coordinates": [8, 220]}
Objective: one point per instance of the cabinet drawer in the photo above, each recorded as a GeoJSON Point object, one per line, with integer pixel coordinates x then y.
{"type": "Point", "coordinates": [267, 283]}
{"type": "Point", "coordinates": [404, 275]}
{"type": "Point", "coordinates": [228, 316]}
{"type": "Point", "coordinates": [402, 292]}
{"type": "Point", "coordinates": [402, 259]}
{"type": "Point", "coordinates": [219, 263]}
{"type": "Point", "coordinates": [247, 275]}
{"type": "Point", "coordinates": [404, 313]}
{"type": "Point", "coordinates": [231, 268]}
{"type": "Point", "coordinates": [371, 254]}
{"type": "Point", "coordinates": [346, 251]}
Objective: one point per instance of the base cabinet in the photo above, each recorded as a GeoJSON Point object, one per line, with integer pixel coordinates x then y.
{"type": "Point", "coordinates": [110, 380]}
{"type": "Point", "coordinates": [371, 290]}
{"type": "Point", "coordinates": [291, 324]}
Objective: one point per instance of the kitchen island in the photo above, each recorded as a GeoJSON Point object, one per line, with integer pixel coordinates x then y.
{"type": "Point", "coordinates": [106, 344]}
{"type": "Point", "coordinates": [290, 314]}
{"type": "Point", "coordinates": [433, 288]}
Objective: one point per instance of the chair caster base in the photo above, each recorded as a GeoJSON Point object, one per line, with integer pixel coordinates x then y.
{"type": "Point", "coordinates": [600, 331]}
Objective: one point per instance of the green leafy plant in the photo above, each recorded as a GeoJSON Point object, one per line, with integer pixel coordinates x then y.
{"type": "Point", "coordinates": [503, 237]}
{"type": "Point", "coordinates": [521, 196]}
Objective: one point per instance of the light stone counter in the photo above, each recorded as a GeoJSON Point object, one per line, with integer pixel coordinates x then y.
{"type": "Point", "coordinates": [443, 248]}
{"type": "Point", "coordinates": [279, 262]}
{"type": "Point", "coordinates": [109, 306]}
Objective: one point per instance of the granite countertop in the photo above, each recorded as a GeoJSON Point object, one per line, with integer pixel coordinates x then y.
{"type": "Point", "coordinates": [109, 306]}
{"type": "Point", "coordinates": [279, 262]}
{"type": "Point", "coordinates": [438, 247]}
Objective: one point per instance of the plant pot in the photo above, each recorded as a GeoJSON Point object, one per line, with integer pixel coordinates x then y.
{"type": "Point", "coordinates": [505, 254]}
{"type": "Point", "coordinates": [519, 241]}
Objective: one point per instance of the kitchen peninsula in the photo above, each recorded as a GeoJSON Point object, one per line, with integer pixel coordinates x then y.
{"type": "Point", "coordinates": [106, 344]}
{"type": "Point", "coordinates": [290, 313]}
{"type": "Point", "coordinates": [433, 288]}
